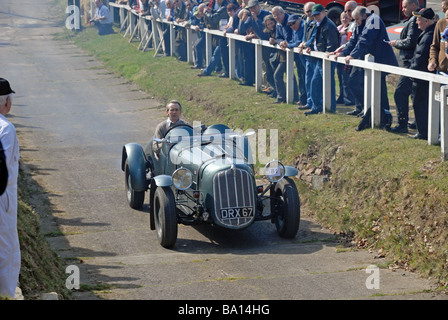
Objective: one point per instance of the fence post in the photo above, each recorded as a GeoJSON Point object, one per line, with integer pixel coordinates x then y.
{"type": "Point", "coordinates": [326, 85]}
{"type": "Point", "coordinates": [434, 113]}
{"type": "Point", "coordinates": [232, 69]}
{"type": "Point", "coordinates": [190, 45]}
{"type": "Point", "coordinates": [112, 12]}
{"type": "Point", "coordinates": [172, 39]}
{"type": "Point", "coordinates": [142, 26]}
{"type": "Point", "coordinates": [155, 33]}
{"type": "Point", "coordinates": [367, 83]}
{"type": "Point", "coordinates": [444, 122]}
{"type": "Point", "coordinates": [92, 8]}
{"type": "Point", "coordinates": [132, 23]}
{"type": "Point", "coordinates": [376, 98]}
{"type": "Point", "coordinates": [258, 66]}
{"type": "Point", "coordinates": [208, 48]}
{"type": "Point", "coordinates": [122, 18]}
{"type": "Point", "coordinates": [289, 76]}
{"type": "Point", "coordinates": [135, 25]}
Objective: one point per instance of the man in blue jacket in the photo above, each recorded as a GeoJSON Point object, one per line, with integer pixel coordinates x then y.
{"type": "Point", "coordinates": [371, 39]}
{"type": "Point", "coordinates": [297, 25]}
{"type": "Point", "coordinates": [283, 32]}
{"type": "Point", "coordinates": [256, 22]}
{"type": "Point", "coordinates": [326, 40]}
{"type": "Point", "coordinates": [308, 38]}
{"type": "Point", "coordinates": [213, 18]}
{"type": "Point", "coordinates": [102, 19]}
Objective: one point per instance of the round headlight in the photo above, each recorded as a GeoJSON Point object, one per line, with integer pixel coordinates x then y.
{"type": "Point", "coordinates": [274, 171]}
{"type": "Point", "coordinates": [182, 178]}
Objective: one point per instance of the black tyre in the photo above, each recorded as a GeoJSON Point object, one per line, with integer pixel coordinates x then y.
{"type": "Point", "coordinates": [165, 216]}
{"type": "Point", "coordinates": [135, 198]}
{"type": "Point", "coordinates": [285, 203]}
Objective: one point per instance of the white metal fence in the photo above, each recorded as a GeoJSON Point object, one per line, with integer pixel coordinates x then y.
{"type": "Point", "coordinates": [131, 23]}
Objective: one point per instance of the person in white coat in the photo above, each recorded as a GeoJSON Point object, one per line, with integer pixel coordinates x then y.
{"type": "Point", "coordinates": [9, 239]}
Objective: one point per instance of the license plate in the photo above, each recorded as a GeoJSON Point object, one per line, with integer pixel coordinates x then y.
{"type": "Point", "coordinates": [235, 213]}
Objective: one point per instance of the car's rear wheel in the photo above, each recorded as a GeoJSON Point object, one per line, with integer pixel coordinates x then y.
{"type": "Point", "coordinates": [285, 203]}
{"type": "Point", "coordinates": [165, 216]}
{"type": "Point", "coordinates": [135, 198]}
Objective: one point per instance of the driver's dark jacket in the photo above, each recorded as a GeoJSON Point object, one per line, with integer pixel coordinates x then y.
{"type": "Point", "coordinates": [327, 36]}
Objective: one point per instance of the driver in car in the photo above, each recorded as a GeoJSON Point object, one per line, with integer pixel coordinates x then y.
{"type": "Point", "coordinates": [173, 111]}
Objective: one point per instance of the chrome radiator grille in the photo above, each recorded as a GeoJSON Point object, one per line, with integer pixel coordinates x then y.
{"type": "Point", "coordinates": [234, 197]}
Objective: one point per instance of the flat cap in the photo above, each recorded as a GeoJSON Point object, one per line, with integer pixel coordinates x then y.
{"type": "Point", "coordinates": [5, 88]}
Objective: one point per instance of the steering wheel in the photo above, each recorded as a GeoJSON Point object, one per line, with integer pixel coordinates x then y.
{"type": "Point", "coordinates": [180, 125]}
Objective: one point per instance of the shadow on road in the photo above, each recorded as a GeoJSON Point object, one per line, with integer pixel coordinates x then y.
{"type": "Point", "coordinates": [261, 237]}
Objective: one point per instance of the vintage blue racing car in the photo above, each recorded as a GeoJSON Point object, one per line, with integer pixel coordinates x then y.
{"type": "Point", "coordinates": [205, 175]}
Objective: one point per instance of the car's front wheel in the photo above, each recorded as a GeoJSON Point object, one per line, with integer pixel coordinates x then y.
{"type": "Point", "coordinates": [165, 216]}
{"type": "Point", "coordinates": [285, 203]}
{"type": "Point", "coordinates": [135, 198]}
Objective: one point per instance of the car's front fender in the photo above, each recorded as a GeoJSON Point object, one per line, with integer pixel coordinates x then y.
{"type": "Point", "coordinates": [163, 180]}
{"type": "Point", "coordinates": [291, 171]}
{"type": "Point", "coordinates": [133, 153]}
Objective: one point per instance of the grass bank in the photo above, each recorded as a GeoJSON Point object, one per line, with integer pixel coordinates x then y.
{"type": "Point", "coordinates": [41, 270]}
{"type": "Point", "coordinates": [387, 192]}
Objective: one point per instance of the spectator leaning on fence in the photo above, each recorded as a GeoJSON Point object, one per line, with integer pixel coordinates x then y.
{"type": "Point", "coordinates": [213, 19]}
{"type": "Point", "coordinates": [257, 23]}
{"type": "Point", "coordinates": [144, 8]}
{"type": "Point", "coordinates": [197, 24]}
{"type": "Point", "coordinates": [406, 45]}
{"type": "Point", "coordinates": [169, 6]}
{"type": "Point", "coordinates": [420, 88]}
{"type": "Point", "coordinates": [345, 95]}
{"type": "Point", "coordinates": [375, 41]}
{"type": "Point", "coordinates": [283, 32]}
{"type": "Point", "coordinates": [158, 11]}
{"type": "Point", "coordinates": [257, 17]}
{"type": "Point", "coordinates": [180, 14]}
{"type": "Point", "coordinates": [9, 239]}
{"type": "Point", "coordinates": [308, 38]}
{"type": "Point", "coordinates": [297, 25]}
{"type": "Point", "coordinates": [348, 9]}
{"type": "Point", "coordinates": [326, 40]}
{"type": "Point", "coordinates": [348, 92]}
{"type": "Point", "coordinates": [437, 58]}
{"type": "Point", "coordinates": [102, 18]}
{"type": "Point", "coordinates": [247, 51]}
{"type": "Point", "coordinates": [269, 24]}
{"type": "Point", "coordinates": [232, 27]}
{"type": "Point", "coordinates": [355, 80]}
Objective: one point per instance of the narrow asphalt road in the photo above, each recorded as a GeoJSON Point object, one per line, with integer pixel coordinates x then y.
{"type": "Point", "coordinates": [73, 117]}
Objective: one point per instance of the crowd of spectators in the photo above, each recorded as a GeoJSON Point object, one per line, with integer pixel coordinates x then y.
{"type": "Point", "coordinates": [357, 33]}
